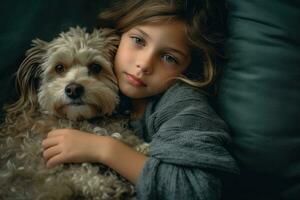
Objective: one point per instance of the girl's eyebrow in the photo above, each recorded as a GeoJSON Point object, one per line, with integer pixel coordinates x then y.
{"type": "Point", "coordinates": [176, 51]}
{"type": "Point", "coordinates": [142, 32]}
{"type": "Point", "coordinates": [168, 48]}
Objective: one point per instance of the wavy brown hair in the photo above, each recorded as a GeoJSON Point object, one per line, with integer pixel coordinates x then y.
{"type": "Point", "coordinates": [205, 25]}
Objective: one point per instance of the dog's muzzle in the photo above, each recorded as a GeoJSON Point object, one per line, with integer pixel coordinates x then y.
{"type": "Point", "coordinates": [74, 91]}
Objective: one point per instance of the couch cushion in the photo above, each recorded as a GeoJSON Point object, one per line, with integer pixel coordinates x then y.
{"type": "Point", "coordinates": [22, 21]}
{"type": "Point", "coordinates": [260, 94]}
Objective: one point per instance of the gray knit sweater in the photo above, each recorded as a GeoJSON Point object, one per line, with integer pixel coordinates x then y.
{"type": "Point", "coordinates": [187, 147]}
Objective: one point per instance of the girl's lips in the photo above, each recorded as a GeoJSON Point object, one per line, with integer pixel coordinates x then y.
{"type": "Point", "coordinates": [133, 80]}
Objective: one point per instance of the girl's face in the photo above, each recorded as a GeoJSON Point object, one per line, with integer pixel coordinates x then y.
{"type": "Point", "coordinates": [149, 56]}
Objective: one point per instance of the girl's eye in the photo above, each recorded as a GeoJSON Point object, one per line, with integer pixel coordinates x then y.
{"type": "Point", "coordinates": [95, 68]}
{"type": "Point", "coordinates": [137, 40]}
{"type": "Point", "coordinates": [60, 68]}
{"type": "Point", "coordinates": [170, 59]}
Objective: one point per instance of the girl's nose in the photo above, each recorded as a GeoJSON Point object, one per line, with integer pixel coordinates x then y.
{"type": "Point", "coordinates": [145, 62]}
{"type": "Point", "coordinates": [145, 69]}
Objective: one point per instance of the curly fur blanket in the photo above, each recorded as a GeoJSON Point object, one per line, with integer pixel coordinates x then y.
{"type": "Point", "coordinates": [23, 174]}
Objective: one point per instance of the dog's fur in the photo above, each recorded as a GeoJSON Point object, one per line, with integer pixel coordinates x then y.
{"type": "Point", "coordinates": [65, 83]}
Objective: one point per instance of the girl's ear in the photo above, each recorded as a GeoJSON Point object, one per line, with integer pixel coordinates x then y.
{"type": "Point", "coordinates": [27, 79]}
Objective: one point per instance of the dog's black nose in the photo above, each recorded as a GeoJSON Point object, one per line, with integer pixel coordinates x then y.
{"type": "Point", "coordinates": [74, 90]}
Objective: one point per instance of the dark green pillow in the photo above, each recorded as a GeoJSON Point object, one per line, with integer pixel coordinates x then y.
{"type": "Point", "coordinates": [22, 21]}
{"type": "Point", "coordinates": [259, 97]}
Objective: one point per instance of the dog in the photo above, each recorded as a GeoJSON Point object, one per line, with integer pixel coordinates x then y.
{"type": "Point", "coordinates": [66, 83]}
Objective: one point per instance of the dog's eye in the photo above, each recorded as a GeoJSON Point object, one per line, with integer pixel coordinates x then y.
{"type": "Point", "coordinates": [95, 68]}
{"type": "Point", "coordinates": [60, 68]}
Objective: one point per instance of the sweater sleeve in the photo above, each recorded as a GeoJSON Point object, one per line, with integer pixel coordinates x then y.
{"type": "Point", "coordinates": [165, 181]}
{"type": "Point", "coordinates": [187, 151]}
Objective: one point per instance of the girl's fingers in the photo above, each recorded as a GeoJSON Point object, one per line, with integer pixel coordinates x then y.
{"type": "Point", "coordinates": [55, 160]}
{"type": "Point", "coordinates": [57, 132]}
{"type": "Point", "coordinates": [51, 152]}
{"type": "Point", "coordinates": [49, 142]}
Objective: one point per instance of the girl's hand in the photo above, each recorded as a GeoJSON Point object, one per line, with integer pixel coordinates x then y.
{"type": "Point", "coordinates": [71, 146]}
{"type": "Point", "coordinates": [74, 146]}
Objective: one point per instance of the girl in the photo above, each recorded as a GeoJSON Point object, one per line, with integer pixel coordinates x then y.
{"type": "Point", "coordinates": [157, 67]}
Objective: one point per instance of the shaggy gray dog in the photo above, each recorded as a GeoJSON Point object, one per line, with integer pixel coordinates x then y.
{"type": "Point", "coordinates": [66, 83]}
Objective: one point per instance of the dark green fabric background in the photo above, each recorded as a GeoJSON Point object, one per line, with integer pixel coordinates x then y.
{"type": "Point", "coordinates": [259, 95]}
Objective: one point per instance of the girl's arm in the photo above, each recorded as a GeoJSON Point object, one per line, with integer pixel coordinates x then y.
{"type": "Point", "coordinates": [188, 155]}
{"type": "Point", "coordinates": [123, 159]}
{"type": "Point", "coordinates": [74, 146]}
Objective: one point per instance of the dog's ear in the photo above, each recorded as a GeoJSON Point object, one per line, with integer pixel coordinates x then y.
{"type": "Point", "coordinates": [27, 79]}
{"type": "Point", "coordinates": [112, 40]}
